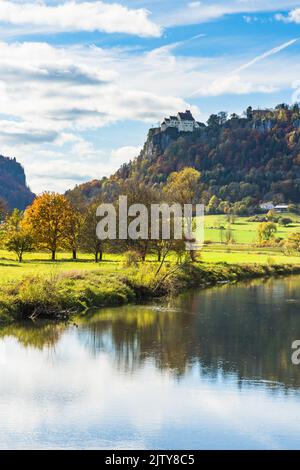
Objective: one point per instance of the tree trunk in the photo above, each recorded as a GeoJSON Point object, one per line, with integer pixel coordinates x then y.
{"type": "Point", "coordinates": [53, 255]}
{"type": "Point", "coordinates": [74, 253]}
{"type": "Point", "coordinates": [168, 248]}
{"type": "Point", "coordinates": [20, 257]}
{"type": "Point", "coordinates": [145, 250]}
{"type": "Point", "coordinates": [101, 255]}
{"type": "Point", "coordinates": [96, 257]}
{"type": "Point", "coordinates": [159, 256]}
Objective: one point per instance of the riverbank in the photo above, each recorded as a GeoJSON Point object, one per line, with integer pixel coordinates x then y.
{"type": "Point", "coordinates": [61, 295]}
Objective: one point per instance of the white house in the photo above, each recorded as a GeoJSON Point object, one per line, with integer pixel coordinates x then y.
{"type": "Point", "coordinates": [183, 122]}
{"type": "Point", "coordinates": [281, 208]}
{"type": "Point", "coordinates": [267, 206]}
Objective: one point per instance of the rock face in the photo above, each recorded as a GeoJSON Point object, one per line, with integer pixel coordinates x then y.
{"type": "Point", "coordinates": [157, 142]}
{"type": "Point", "coordinates": [13, 188]}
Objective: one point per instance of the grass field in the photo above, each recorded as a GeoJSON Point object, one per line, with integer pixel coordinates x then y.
{"type": "Point", "coordinates": [243, 230]}
{"type": "Point", "coordinates": [244, 251]}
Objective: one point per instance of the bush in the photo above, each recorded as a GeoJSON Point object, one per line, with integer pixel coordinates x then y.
{"type": "Point", "coordinates": [258, 218]}
{"type": "Point", "coordinates": [131, 259]}
{"type": "Point", "coordinates": [285, 221]}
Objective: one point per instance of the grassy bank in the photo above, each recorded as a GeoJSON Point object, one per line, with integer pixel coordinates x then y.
{"type": "Point", "coordinates": [39, 263]}
{"type": "Point", "coordinates": [60, 295]}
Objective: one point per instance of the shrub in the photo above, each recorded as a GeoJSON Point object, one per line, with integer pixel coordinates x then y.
{"type": "Point", "coordinates": [292, 244]}
{"type": "Point", "coordinates": [258, 218]}
{"type": "Point", "coordinates": [285, 221]}
{"type": "Point", "coordinates": [131, 259]}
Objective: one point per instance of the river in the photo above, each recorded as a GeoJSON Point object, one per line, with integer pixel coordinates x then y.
{"type": "Point", "coordinates": [210, 369]}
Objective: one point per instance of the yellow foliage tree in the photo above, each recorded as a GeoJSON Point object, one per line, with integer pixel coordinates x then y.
{"type": "Point", "coordinates": [292, 243]}
{"type": "Point", "coordinates": [47, 220]}
{"type": "Point", "coordinates": [266, 231]}
{"type": "Point", "coordinates": [182, 186]}
{"type": "Point", "coordinates": [15, 236]}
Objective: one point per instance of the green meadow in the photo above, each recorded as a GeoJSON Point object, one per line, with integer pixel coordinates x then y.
{"type": "Point", "coordinates": [245, 232]}
{"type": "Point", "coordinates": [244, 250]}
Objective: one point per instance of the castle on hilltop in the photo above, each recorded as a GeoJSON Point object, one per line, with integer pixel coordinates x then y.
{"type": "Point", "coordinates": [183, 122]}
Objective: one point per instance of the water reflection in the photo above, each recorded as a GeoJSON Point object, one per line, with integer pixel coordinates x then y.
{"type": "Point", "coordinates": [247, 330]}
{"type": "Point", "coordinates": [210, 369]}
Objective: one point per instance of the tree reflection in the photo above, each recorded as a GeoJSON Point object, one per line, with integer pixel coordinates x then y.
{"type": "Point", "coordinates": [243, 331]}
{"type": "Point", "coordinates": [38, 335]}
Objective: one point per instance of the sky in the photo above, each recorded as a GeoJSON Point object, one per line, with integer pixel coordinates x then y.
{"type": "Point", "coordinates": [81, 82]}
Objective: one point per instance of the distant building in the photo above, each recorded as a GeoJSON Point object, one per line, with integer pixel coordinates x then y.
{"type": "Point", "coordinates": [267, 206]}
{"type": "Point", "coordinates": [183, 122]}
{"type": "Point", "coordinates": [281, 208]}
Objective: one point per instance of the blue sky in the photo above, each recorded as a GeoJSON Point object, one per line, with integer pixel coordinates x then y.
{"type": "Point", "coordinates": [81, 82]}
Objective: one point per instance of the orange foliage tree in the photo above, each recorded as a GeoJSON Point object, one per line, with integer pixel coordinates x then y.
{"type": "Point", "coordinates": [48, 220]}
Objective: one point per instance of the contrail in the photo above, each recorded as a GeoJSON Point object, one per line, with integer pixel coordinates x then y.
{"type": "Point", "coordinates": [257, 59]}
{"type": "Point", "coordinates": [273, 51]}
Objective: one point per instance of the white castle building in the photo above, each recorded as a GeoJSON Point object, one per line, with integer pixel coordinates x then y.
{"type": "Point", "coordinates": [184, 122]}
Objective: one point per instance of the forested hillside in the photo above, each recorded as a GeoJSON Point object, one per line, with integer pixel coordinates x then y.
{"type": "Point", "coordinates": [242, 160]}
{"type": "Point", "coordinates": [13, 188]}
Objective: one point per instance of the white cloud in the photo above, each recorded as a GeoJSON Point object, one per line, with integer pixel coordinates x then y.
{"type": "Point", "coordinates": [51, 98]}
{"type": "Point", "coordinates": [82, 162]}
{"type": "Point", "coordinates": [47, 102]}
{"type": "Point", "coordinates": [292, 17]}
{"type": "Point", "coordinates": [124, 154]}
{"type": "Point", "coordinates": [203, 11]}
{"type": "Point", "coordinates": [234, 84]}
{"type": "Point", "coordinates": [79, 16]}
{"type": "Point", "coordinates": [42, 88]}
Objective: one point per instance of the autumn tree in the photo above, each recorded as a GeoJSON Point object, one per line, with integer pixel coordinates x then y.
{"type": "Point", "coordinates": [88, 239]}
{"type": "Point", "coordinates": [140, 193]}
{"type": "Point", "coordinates": [292, 243]}
{"type": "Point", "coordinates": [46, 219]}
{"type": "Point", "coordinates": [266, 231]}
{"type": "Point", "coordinates": [271, 216]}
{"type": "Point", "coordinates": [73, 224]}
{"type": "Point", "coordinates": [182, 188]}
{"type": "Point", "coordinates": [213, 205]}
{"type": "Point", "coordinates": [15, 235]}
